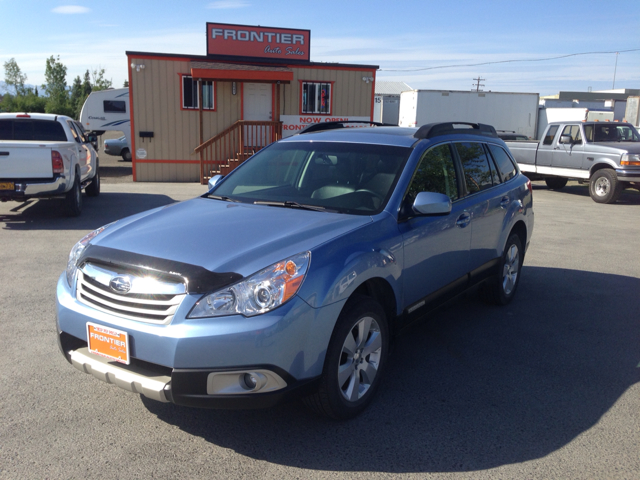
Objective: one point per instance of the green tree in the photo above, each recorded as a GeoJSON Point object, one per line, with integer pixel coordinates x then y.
{"type": "Point", "coordinates": [14, 77]}
{"type": "Point", "coordinates": [126, 84]}
{"type": "Point", "coordinates": [55, 75]}
{"type": "Point", "coordinates": [99, 82]}
{"type": "Point", "coordinates": [77, 97]}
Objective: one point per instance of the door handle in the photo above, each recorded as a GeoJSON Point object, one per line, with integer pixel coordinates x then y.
{"type": "Point", "coordinates": [504, 202]}
{"type": "Point", "coordinates": [463, 220]}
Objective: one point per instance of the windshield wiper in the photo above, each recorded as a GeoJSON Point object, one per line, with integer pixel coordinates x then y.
{"type": "Point", "coordinates": [290, 204]}
{"type": "Point", "coordinates": [221, 197]}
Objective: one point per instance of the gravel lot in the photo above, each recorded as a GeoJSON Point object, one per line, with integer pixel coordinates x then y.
{"type": "Point", "coordinates": [548, 387]}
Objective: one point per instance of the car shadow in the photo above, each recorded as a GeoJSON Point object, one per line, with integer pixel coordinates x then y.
{"type": "Point", "coordinates": [475, 387]}
{"type": "Point", "coordinates": [49, 214]}
{"type": "Point", "coordinates": [628, 196]}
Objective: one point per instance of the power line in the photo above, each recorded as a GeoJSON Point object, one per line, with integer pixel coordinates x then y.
{"type": "Point", "coordinates": [505, 61]}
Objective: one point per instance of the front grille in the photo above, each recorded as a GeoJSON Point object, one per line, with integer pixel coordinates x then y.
{"type": "Point", "coordinates": [152, 300]}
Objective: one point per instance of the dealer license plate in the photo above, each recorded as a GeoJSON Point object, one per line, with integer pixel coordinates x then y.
{"type": "Point", "coordinates": [7, 186]}
{"type": "Point", "coordinates": [108, 342]}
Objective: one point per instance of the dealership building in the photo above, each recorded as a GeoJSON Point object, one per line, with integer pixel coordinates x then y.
{"type": "Point", "coordinates": [194, 116]}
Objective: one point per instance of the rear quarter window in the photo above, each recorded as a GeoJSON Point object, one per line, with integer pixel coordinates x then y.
{"type": "Point", "coordinates": [32, 130]}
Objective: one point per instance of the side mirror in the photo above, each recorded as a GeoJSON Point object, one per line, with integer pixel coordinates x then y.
{"type": "Point", "coordinates": [93, 139]}
{"type": "Point", "coordinates": [213, 181]}
{"type": "Point", "coordinates": [566, 139]}
{"type": "Point", "coordinates": [431, 203]}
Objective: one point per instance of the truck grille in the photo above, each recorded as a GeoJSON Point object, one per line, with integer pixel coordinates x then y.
{"type": "Point", "coordinates": [148, 299]}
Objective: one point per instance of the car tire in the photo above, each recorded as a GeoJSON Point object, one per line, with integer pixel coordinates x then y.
{"type": "Point", "coordinates": [501, 289]}
{"type": "Point", "coordinates": [73, 199]}
{"type": "Point", "coordinates": [604, 186]}
{"type": "Point", "coordinates": [93, 189]}
{"type": "Point", "coordinates": [126, 154]}
{"type": "Point", "coordinates": [556, 183]}
{"type": "Point", "coordinates": [355, 360]}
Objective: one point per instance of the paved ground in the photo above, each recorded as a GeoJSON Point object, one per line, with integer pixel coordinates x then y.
{"type": "Point", "coordinates": [548, 387]}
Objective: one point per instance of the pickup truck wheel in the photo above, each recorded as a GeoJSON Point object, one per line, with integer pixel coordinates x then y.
{"type": "Point", "coordinates": [501, 289]}
{"type": "Point", "coordinates": [604, 186]}
{"type": "Point", "coordinates": [556, 183]}
{"type": "Point", "coordinates": [356, 356]}
{"type": "Point", "coordinates": [93, 190]}
{"type": "Point", "coordinates": [126, 155]}
{"type": "Point", "coordinates": [73, 199]}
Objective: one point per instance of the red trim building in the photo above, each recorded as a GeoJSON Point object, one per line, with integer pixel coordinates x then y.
{"type": "Point", "coordinates": [193, 116]}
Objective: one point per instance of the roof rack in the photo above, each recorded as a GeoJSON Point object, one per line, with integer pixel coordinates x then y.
{"type": "Point", "coordinates": [450, 128]}
{"type": "Point", "coordinates": [317, 127]}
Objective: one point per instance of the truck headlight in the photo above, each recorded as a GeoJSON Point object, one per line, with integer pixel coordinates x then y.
{"type": "Point", "coordinates": [77, 250]}
{"type": "Point", "coordinates": [630, 160]}
{"type": "Point", "coordinates": [259, 293]}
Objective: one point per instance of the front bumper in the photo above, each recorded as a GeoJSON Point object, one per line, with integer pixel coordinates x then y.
{"type": "Point", "coordinates": [628, 174]}
{"type": "Point", "coordinates": [176, 362]}
{"type": "Point", "coordinates": [35, 188]}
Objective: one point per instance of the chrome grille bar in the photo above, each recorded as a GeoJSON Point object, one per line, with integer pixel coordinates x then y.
{"type": "Point", "coordinates": [150, 299]}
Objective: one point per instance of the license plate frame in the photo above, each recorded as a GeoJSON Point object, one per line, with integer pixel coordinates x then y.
{"type": "Point", "coordinates": [10, 186]}
{"type": "Point", "coordinates": [108, 342]}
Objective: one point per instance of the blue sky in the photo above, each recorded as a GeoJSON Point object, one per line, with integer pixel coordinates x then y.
{"type": "Point", "coordinates": [410, 40]}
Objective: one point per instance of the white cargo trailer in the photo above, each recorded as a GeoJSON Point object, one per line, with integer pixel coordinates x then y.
{"type": "Point", "coordinates": [108, 110]}
{"type": "Point", "coordinates": [514, 112]}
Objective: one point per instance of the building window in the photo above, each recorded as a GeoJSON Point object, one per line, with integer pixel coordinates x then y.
{"type": "Point", "coordinates": [190, 94]}
{"type": "Point", "coordinates": [316, 98]}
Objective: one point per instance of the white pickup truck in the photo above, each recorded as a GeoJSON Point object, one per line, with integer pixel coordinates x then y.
{"type": "Point", "coordinates": [46, 155]}
{"type": "Point", "coordinates": [606, 154]}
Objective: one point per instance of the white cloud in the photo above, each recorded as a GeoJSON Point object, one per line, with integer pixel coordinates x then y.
{"type": "Point", "coordinates": [227, 4]}
{"type": "Point", "coordinates": [71, 9]}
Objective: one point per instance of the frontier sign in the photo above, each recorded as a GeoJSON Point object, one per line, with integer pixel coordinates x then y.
{"type": "Point", "coordinates": [257, 42]}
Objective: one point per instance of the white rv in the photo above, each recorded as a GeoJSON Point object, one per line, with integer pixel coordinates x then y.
{"type": "Point", "coordinates": [108, 110]}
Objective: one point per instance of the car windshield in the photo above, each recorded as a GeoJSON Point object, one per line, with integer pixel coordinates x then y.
{"type": "Point", "coordinates": [608, 132]}
{"type": "Point", "coordinates": [351, 178]}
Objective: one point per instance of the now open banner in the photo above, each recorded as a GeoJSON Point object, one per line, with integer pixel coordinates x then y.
{"type": "Point", "coordinates": [292, 124]}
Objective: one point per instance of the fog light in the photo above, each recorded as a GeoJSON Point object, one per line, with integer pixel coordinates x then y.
{"type": "Point", "coordinates": [253, 381]}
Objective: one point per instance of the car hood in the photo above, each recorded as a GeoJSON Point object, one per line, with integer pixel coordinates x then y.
{"type": "Point", "coordinates": [226, 237]}
{"type": "Point", "coordinates": [630, 147]}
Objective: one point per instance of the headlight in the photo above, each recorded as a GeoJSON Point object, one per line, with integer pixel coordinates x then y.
{"type": "Point", "coordinates": [76, 251]}
{"type": "Point", "coordinates": [259, 293]}
{"type": "Point", "coordinates": [630, 160]}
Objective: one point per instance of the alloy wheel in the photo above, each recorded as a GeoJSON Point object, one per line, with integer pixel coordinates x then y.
{"type": "Point", "coordinates": [359, 359]}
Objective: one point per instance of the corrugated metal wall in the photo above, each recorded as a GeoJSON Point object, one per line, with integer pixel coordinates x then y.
{"type": "Point", "coordinates": [351, 95]}
{"type": "Point", "coordinates": [155, 94]}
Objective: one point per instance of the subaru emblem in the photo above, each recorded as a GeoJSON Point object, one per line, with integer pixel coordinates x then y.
{"type": "Point", "coordinates": [120, 284]}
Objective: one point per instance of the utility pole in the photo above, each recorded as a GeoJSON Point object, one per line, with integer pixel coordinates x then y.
{"type": "Point", "coordinates": [478, 84]}
{"type": "Point", "coordinates": [614, 72]}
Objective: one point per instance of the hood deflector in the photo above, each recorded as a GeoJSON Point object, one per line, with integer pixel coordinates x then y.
{"type": "Point", "coordinates": [197, 279]}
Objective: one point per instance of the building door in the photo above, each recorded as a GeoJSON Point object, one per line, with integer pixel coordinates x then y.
{"type": "Point", "coordinates": [257, 106]}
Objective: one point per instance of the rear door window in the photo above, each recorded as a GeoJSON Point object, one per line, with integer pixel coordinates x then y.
{"type": "Point", "coordinates": [475, 164]}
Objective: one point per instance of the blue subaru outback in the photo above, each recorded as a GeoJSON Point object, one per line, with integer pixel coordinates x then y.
{"type": "Point", "coordinates": [292, 274]}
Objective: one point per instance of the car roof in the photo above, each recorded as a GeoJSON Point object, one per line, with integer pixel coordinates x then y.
{"type": "Point", "coordinates": [391, 135]}
{"type": "Point", "coordinates": [395, 136]}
